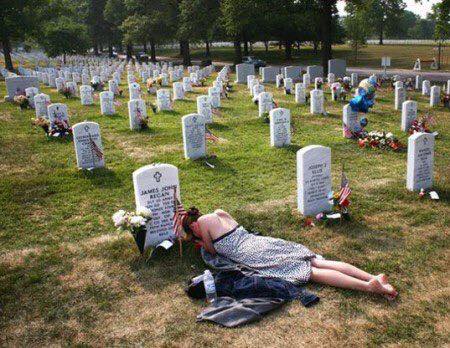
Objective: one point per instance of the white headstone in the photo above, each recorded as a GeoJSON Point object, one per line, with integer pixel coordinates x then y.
{"type": "Point", "coordinates": [336, 90]}
{"type": "Point", "coordinates": [72, 87]}
{"type": "Point", "coordinates": [60, 84]}
{"type": "Point", "coordinates": [288, 85]}
{"type": "Point", "coordinates": [242, 71]}
{"type": "Point", "coordinates": [41, 103]}
{"type": "Point", "coordinates": [314, 71]}
{"type": "Point", "coordinates": [306, 80]}
{"type": "Point", "coordinates": [426, 87]}
{"type": "Point", "coordinates": [313, 179]}
{"type": "Point", "coordinates": [331, 78]}
{"type": "Point", "coordinates": [154, 189]}
{"type": "Point", "coordinates": [163, 100]}
{"type": "Point", "coordinates": [265, 103]}
{"type": "Point", "coordinates": [57, 114]}
{"type": "Point", "coordinates": [354, 80]}
{"type": "Point", "coordinates": [194, 141]}
{"type": "Point", "coordinates": [292, 72]}
{"type": "Point", "coordinates": [204, 108]}
{"type": "Point", "coordinates": [88, 145]}
{"type": "Point", "coordinates": [178, 91]}
{"type": "Point", "coordinates": [419, 81]}
{"type": "Point", "coordinates": [257, 89]}
{"type": "Point", "coordinates": [214, 94]}
{"type": "Point", "coordinates": [187, 84]}
{"type": "Point", "coordinates": [269, 74]}
{"type": "Point", "coordinates": [400, 97]}
{"type": "Point", "coordinates": [250, 78]}
{"type": "Point", "coordinates": [435, 96]}
{"type": "Point", "coordinates": [349, 119]}
{"type": "Point", "coordinates": [30, 93]}
{"type": "Point", "coordinates": [337, 67]}
{"type": "Point", "coordinates": [86, 97]}
{"type": "Point", "coordinates": [280, 127]}
{"type": "Point", "coordinates": [300, 93]}
{"type": "Point", "coordinates": [135, 90]}
{"type": "Point", "coordinates": [137, 112]}
{"type": "Point", "coordinates": [317, 100]}
{"type": "Point", "coordinates": [420, 161]}
{"type": "Point", "coordinates": [107, 103]}
{"type": "Point", "coordinates": [113, 87]}
{"type": "Point", "coordinates": [409, 114]}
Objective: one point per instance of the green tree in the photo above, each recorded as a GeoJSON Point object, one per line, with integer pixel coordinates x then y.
{"type": "Point", "coordinates": [356, 28]}
{"type": "Point", "coordinates": [441, 13]}
{"type": "Point", "coordinates": [63, 37]}
{"type": "Point", "coordinates": [18, 18]}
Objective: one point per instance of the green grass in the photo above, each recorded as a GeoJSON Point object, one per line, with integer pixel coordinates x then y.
{"type": "Point", "coordinates": [68, 278]}
{"type": "Point", "coordinates": [403, 56]}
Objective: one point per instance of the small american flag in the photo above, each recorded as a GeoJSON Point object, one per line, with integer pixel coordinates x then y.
{"type": "Point", "coordinates": [95, 148]}
{"type": "Point", "coordinates": [210, 136]}
{"type": "Point", "coordinates": [178, 216]}
{"type": "Point", "coordinates": [345, 188]}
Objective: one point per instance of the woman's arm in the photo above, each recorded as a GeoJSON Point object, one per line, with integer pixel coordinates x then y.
{"type": "Point", "coordinates": [207, 240]}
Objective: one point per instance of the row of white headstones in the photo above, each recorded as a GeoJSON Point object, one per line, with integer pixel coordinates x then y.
{"type": "Point", "coordinates": [313, 162]}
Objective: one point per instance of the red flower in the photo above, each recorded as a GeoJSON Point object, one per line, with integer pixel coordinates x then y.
{"type": "Point", "coordinates": [362, 143]}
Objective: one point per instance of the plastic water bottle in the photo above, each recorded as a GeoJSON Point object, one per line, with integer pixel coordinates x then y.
{"type": "Point", "coordinates": [210, 287]}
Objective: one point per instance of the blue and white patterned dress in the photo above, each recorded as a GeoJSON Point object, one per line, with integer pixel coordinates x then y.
{"type": "Point", "coordinates": [271, 257]}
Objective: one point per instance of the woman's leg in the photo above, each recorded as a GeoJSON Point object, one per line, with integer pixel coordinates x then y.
{"type": "Point", "coordinates": [341, 280]}
{"type": "Point", "coordinates": [342, 267]}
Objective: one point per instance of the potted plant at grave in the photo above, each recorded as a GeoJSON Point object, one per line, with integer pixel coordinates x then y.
{"type": "Point", "coordinates": [22, 101]}
{"type": "Point", "coordinates": [134, 223]}
{"type": "Point", "coordinates": [446, 100]}
{"type": "Point", "coordinates": [66, 92]}
{"type": "Point", "coordinates": [421, 125]}
{"type": "Point", "coordinates": [43, 123]}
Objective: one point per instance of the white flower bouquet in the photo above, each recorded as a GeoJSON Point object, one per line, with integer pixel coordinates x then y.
{"type": "Point", "coordinates": [133, 222]}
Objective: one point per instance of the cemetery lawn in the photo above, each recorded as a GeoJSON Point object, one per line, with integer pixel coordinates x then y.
{"type": "Point", "coordinates": [403, 56]}
{"type": "Point", "coordinates": [68, 278]}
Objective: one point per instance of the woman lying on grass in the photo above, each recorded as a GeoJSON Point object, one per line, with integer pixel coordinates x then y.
{"type": "Point", "coordinates": [219, 233]}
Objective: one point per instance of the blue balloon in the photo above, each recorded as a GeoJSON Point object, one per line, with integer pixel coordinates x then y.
{"type": "Point", "coordinates": [364, 121]}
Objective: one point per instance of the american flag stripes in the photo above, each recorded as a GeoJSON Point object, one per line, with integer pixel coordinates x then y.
{"type": "Point", "coordinates": [210, 136]}
{"type": "Point", "coordinates": [178, 216]}
{"type": "Point", "coordinates": [345, 188]}
{"type": "Point", "coordinates": [95, 149]}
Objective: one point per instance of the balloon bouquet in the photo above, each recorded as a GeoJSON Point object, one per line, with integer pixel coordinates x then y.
{"type": "Point", "coordinates": [364, 100]}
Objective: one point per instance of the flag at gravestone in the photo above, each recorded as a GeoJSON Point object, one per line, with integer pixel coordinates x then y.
{"type": "Point", "coordinates": [194, 139]}
{"type": "Point", "coordinates": [137, 112]}
{"type": "Point", "coordinates": [88, 145]}
{"type": "Point", "coordinates": [154, 187]}
{"type": "Point", "coordinates": [313, 179]}
{"type": "Point", "coordinates": [280, 127]}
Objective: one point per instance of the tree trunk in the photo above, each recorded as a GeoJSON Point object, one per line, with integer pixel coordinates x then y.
{"type": "Point", "coordinates": [7, 52]}
{"type": "Point", "coordinates": [64, 58]}
{"type": "Point", "coordinates": [266, 45]}
{"type": "Point", "coordinates": [110, 50]}
{"type": "Point", "coordinates": [251, 47]}
{"type": "Point", "coordinates": [245, 47]}
{"type": "Point", "coordinates": [153, 50]}
{"type": "Point", "coordinates": [315, 47]}
{"type": "Point", "coordinates": [280, 45]}
{"type": "Point", "coordinates": [181, 48]}
{"type": "Point", "coordinates": [145, 47]}
{"type": "Point", "coordinates": [207, 50]}
{"type": "Point", "coordinates": [439, 55]}
{"type": "Point", "coordinates": [380, 33]}
{"type": "Point", "coordinates": [96, 48]}
{"type": "Point", "coordinates": [186, 55]}
{"type": "Point", "coordinates": [288, 50]}
{"type": "Point", "coordinates": [129, 52]}
{"type": "Point", "coordinates": [237, 52]}
{"type": "Point", "coordinates": [327, 16]}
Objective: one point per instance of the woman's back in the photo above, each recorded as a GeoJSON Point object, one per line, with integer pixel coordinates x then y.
{"type": "Point", "coordinates": [217, 223]}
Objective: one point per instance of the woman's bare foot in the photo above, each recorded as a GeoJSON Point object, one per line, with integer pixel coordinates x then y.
{"type": "Point", "coordinates": [385, 282]}
{"type": "Point", "coordinates": [385, 290]}
{"type": "Point", "coordinates": [382, 278]}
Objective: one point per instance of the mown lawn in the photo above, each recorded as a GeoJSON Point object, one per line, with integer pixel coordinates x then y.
{"type": "Point", "coordinates": [403, 56]}
{"type": "Point", "coordinates": [68, 278]}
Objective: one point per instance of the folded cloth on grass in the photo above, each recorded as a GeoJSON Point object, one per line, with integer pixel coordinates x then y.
{"type": "Point", "coordinates": [229, 312]}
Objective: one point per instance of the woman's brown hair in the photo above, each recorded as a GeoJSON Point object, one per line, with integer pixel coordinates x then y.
{"type": "Point", "coordinates": [193, 215]}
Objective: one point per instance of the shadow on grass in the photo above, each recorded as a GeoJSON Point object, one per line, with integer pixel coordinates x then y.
{"type": "Point", "coordinates": [101, 177]}
{"type": "Point", "coordinates": [218, 126]}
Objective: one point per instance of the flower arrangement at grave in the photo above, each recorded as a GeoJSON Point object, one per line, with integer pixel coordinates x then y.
{"type": "Point", "coordinates": [421, 125]}
{"type": "Point", "coordinates": [97, 86]}
{"type": "Point", "coordinates": [152, 106]}
{"type": "Point", "coordinates": [319, 84]}
{"type": "Point", "coordinates": [445, 99]}
{"type": "Point", "coordinates": [142, 120]}
{"type": "Point", "coordinates": [22, 101]}
{"type": "Point", "coordinates": [66, 92]}
{"type": "Point", "coordinates": [132, 221]}
{"type": "Point", "coordinates": [59, 129]}
{"type": "Point", "coordinates": [379, 140]}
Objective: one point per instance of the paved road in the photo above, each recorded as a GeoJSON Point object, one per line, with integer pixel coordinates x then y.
{"type": "Point", "coordinates": [438, 76]}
